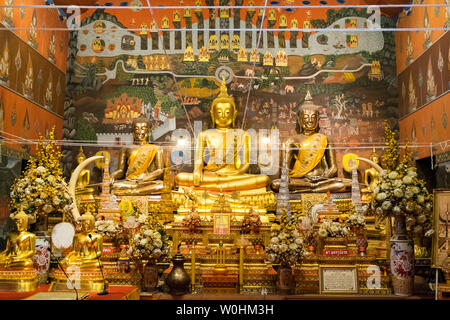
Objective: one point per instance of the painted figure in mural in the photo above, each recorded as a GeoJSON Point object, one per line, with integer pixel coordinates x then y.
{"type": "Point", "coordinates": [86, 246]}
{"type": "Point", "coordinates": [311, 157]}
{"type": "Point", "coordinates": [141, 166]}
{"type": "Point", "coordinates": [20, 246]}
{"type": "Point", "coordinates": [213, 170]}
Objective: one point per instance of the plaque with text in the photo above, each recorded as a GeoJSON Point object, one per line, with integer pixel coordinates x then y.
{"type": "Point", "coordinates": [338, 279]}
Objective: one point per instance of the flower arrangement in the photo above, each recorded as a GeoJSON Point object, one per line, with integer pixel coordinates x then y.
{"type": "Point", "coordinates": [399, 191]}
{"type": "Point", "coordinates": [286, 245]}
{"type": "Point", "coordinates": [149, 244]}
{"type": "Point", "coordinates": [41, 188]}
{"type": "Point", "coordinates": [192, 221]}
{"type": "Point", "coordinates": [149, 241]}
{"type": "Point", "coordinates": [251, 222]}
{"type": "Point", "coordinates": [355, 219]}
{"type": "Point", "coordinates": [109, 228]}
{"type": "Point", "coordinates": [332, 229]}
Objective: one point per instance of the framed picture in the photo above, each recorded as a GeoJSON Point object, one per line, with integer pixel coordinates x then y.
{"type": "Point", "coordinates": [441, 222]}
{"type": "Point", "coordinates": [338, 279]}
{"type": "Point", "coordinates": [222, 223]}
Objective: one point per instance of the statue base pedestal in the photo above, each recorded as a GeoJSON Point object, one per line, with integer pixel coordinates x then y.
{"type": "Point", "coordinates": [18, 280]}
{"type": "Point", "coordinates": [90, 281]}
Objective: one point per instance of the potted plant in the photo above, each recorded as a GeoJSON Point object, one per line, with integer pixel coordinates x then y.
{"type": "Point", "coordinates": [285, 249]}
{"type": "Point", "coordinates": [401, 194]}
{"type": "Point", "coordinates": [148, 245]}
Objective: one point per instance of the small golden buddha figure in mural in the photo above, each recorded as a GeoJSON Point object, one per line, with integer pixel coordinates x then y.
{"type": "Point", "coordinates": [28, 84]}
{"type": "Point", "coordinates": [412, 94]}
{"type": "Point", "coordinates": [32, 32]}
{"type": "Point", "coordinates": [49, 93]}
{"type": "Point", "coordinates": [222, 165]}
{"type": "Point", "coordinates": [311, 157]}
{"type": "Point", "coordinates": [431, 85]}
{"type": "Point", "coordinates": [409, 51]}
{"type": "Point", "coordinates": [81, 186]}
{"type": "Point", "coordinates": [20, 246]}
{"type": "Point", "coordinates": [52, 48]}
{"type": "Point", "coordinates": [371, 176]}
{"type": "Point", "coordinates": [8, 14]}
{"type": "Point", "coordinates": [141, 166]}
{"type": "Point", "coordinates": [4, 65]}
{"type": "Point", "coordinates": [86, 246]}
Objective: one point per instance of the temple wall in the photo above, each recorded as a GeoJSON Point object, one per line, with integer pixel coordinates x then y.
{"type": "Point", "coordinates": [423, 67]}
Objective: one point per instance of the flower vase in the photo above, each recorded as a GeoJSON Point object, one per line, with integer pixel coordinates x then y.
{"type": "Point", "coordinates": [402, 258]}
{"type": "Point", "coordinates": [361, 242]}
{"type": "Point", "coordinates": [178, 279]}
{"type": "Point", "coordinates": [285, 279]}
{"type": "Point", "coordinates": [149, 272]}
{"type": "Point", "coordinates": [41, 258]}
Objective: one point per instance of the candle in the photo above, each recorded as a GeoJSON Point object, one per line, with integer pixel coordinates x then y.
{"type": "Point", "coordinates": [193, 268]}
{"type": "Point", "coordinates": [241, 265]}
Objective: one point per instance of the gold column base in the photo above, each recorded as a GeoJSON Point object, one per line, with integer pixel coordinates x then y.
{"type": "Point", "coordinates": [18, 280]}
{"type": "Point", "coordinates": [90, 281]}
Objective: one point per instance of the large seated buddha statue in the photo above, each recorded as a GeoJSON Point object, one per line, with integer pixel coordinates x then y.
{"type": "Point", "coordinates": [310, 156]}
{"type": "Point", "coordinates": [20, 246]}
{"type": "Point", "coordinates": [140, 167]}
{"type": "Point", "coordinates": [222, 156]}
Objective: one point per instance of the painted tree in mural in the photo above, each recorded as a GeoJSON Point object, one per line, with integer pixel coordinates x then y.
{"type": "Point", "coordinates": [339, 103]}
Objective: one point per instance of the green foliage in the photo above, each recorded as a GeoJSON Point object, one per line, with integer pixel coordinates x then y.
{"type": "Point", "coordinates": [85, 131]}
{"type": "Point", "coordinates": [319, 23]}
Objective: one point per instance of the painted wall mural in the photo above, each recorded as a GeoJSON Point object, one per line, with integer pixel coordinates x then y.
{"type": "Point", "coordinates": [120, 68]}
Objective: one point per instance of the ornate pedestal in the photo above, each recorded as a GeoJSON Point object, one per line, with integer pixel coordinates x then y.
{"type": "Point", "coordinates": [220, 283]}
{"type": "Point", "coordinates": [18, 280]}
{"type": "Point", "coordinates": [90, 281]}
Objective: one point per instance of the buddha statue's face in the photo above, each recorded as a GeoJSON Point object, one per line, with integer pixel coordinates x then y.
{"type": "Point", "coordinates": [223, 115]}
{"type": "Point", "coordinates": [309, 120]}
{"type": "Point", "coordinates": [140, 132]}
{"type": "Point", "coordinates": [376, 159]}
{"type": "Point", "coordinates": [87, 225]}
{"type": "Point", "coordinates": [21, 223]}
{"type": "Point", "coordinates": [80, 159]}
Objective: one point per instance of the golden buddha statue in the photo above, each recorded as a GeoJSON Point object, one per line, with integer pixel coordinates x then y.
{"type": "Point", "coordinates": [228, 162]}
{"type": "Point", "coordinates": [86, 246]}
{"type": "Point", "coordinates": [310, 156]}
{"type": "Point", "coordinates": [141, 166]}
{"type": "Point", "coordinates": [81, 186]}
{"type": "Point", "coordinates": [20, 246]}
{"type": "Point", "coordinates": [371, 176]}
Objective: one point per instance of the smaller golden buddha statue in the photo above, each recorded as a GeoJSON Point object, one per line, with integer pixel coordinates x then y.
{"type": "Point", "coordinates": [371, 176]}
{"type": "Point", "coordinates": [81, 186]}
{"type": "Point", "coordinates": [16, 261]}
{"type": "Point", "coordinates": [141, 166]}
{"type": "Point", "coordinates": [20, 246]}
{"type": "Point", "coordinates": [87, 246]}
